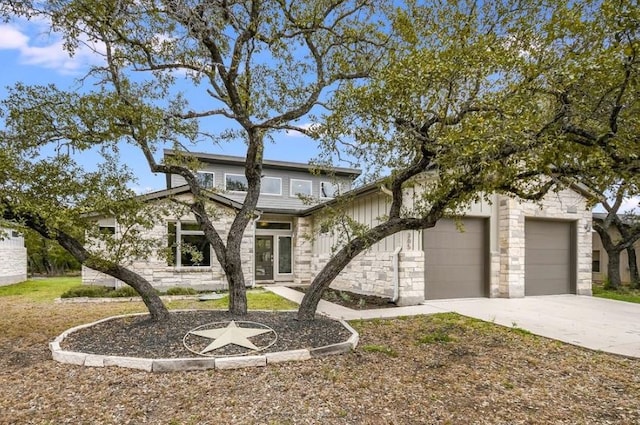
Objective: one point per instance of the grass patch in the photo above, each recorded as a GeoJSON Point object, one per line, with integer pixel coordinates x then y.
{"type": "Point", "coordinates": [373, 348]}
{"type": "Point", "coordinates": [621, 294]}
{"type": "Point", "coordinates": [436, 337]}
{"type": "Point", "coordinates": [41, 290]}
{"type": "Point", "coordinates": [257, 299]}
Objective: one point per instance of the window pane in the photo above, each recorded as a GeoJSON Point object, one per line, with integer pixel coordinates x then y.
{"type": "Point", "coordinates": [205, 180]}
{"type": "Point", "coordinates": [171, 243]}
{"type": "Point", "coordinates": [189, 227]}
{"type": "Point", "coordinates": [284, 254]}
{"type": "Point", "coordinates": [267, 225]}
{"type": "Point", "coordinates": [195, 251]}
{"type": "Point", "coordinates": [300, 187]}
{"type": "Point", "coordinates": [595, 264]}
{"type": "Point", "coordinates": [107, 230]}
{"type": "Point", "coordinates": [271, 186]}
{"type": "Point", "coordinates": [329, 190]}
{"type": "Point", "coordinates": [236, 183]}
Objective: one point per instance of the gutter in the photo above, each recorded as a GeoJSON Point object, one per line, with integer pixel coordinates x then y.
{"type": "Point", "coordinates": [396, 275]}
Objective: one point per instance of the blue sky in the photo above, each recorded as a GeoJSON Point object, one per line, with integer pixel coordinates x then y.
{"type": "Point", "coordinates": [31, 54]}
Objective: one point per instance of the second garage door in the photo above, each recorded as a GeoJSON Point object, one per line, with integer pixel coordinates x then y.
{"type": "Point", "coordinates": [456, 262]}
{"type": "Point", "coordinates": [548, 257]}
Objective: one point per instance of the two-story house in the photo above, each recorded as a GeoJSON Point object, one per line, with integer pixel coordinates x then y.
{"type": "Point", "coordinates": [509, 248]}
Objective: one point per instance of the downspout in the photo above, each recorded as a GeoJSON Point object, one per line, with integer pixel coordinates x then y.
{"type": "Point", "coordinates": [253, 244]}
{"type": "Point", "coordinates": [396, 275]}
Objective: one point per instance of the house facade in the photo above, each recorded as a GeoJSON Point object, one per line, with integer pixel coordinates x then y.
{"type": "Point", "coordinates": [507, 248]}
{"type": "Point", "coordinates": [600, 258]}
{"type": "Point", "coordinates": [13, 267]}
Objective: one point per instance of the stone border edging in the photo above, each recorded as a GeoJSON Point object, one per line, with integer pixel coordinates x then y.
{"type": "Point", "coordinates": [193, 363]}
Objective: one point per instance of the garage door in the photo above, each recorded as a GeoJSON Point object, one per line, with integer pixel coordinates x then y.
{"type": "Point", "coordinates": [456, 262]}
{"type": "Point", "coordinates": [548, 257]}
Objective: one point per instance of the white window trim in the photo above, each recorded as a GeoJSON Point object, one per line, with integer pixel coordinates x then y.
{"type": "Point", "coordinates": [338, 185]}
{"type": "Point", "coordinates": [235, 175]}
{"type": "Point", "coordinates": [213, 174]}
{"type": "Point", "coordinates": [295, 195]}
{"type": "Point", "coordinates": [271, 194]}
{"type": "Point", "coordinates": [178, 253]}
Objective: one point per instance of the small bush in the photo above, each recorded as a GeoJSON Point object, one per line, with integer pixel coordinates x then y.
{"type": "Point", "coordinates": [123, 292]}
{"type": "Point", "coordinates": [86, 291]}
{"type": "Point", "coordinates": [181, 291]}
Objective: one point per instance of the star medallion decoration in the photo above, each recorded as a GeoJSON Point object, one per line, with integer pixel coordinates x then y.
{"type": "Point", "coordinates": [231, 334]}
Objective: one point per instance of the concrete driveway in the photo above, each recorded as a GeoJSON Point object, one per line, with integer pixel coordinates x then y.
{"type": "Point", "coordinates": [596, 323]}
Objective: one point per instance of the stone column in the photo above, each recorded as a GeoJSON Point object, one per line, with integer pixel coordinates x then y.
{"type": "Point", "coordinates": [511, 243]}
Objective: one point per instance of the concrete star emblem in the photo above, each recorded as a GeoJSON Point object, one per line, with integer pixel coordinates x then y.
{"type": "Point", "coordinates": [232, 334]}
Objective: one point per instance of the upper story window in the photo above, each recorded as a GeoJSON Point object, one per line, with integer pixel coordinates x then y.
{"type": "Point", "coordinates": [329, 190]}
{"type": "Point", "coordinates": [300, 187]}
{"type": "Point", "coordinates": [271, 186]}
{"type": "Point", "coordinates": [206, 179]}
{"type": "Point", "coordinates": [238, 183]}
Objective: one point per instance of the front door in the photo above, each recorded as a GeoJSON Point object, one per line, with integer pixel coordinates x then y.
{"type": "Point", "coordinates": [264, 257]}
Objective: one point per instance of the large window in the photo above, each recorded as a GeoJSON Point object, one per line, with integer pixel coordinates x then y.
{"type": "Point", "coordinates": [206, 179]}
{"type": "Point", "coordinates": [595, 261]}
{"type": "Point", "coordinates": [271, 186]}
{"type": "Point", "coordinates": [300, 187]}
{"type": "Point", "coordinates": [329, 190]}
{"type": "Point", "coordinates": [188, 245]}
{"type": "Point", "coordinates": [238, 183]}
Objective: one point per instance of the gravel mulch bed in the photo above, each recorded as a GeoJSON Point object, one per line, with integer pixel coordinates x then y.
{"type": "Point", "coordinates": [138, 336]}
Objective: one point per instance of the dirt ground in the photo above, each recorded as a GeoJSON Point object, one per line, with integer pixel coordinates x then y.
{"type": "Point", "coordinates": [442, 369]}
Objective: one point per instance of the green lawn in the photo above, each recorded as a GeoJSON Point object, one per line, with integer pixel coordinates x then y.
{"type": "Point", "coordinates": [622, 294]}
{"type": "Point", "coordinates": [40, 290]}
{"type": "Point", "coordinates": [46, 290]}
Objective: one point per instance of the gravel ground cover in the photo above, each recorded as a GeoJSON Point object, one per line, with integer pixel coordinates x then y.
{"type": "Point", "coordinates": [351, 299]}
{"type": "Point", "coordinates": [441, 369]}
{"type": "Point", "coordinates": [138, 336]}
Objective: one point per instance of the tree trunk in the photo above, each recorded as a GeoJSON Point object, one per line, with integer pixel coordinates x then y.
{"type": "Point", "coordinates": [633, 267]}
{"type": "Point", "coordinates": [343, 257]}
{"type": "Point", "coordinates": [613, 270]}
{"type": "Point", "coordinates": [237, 287]}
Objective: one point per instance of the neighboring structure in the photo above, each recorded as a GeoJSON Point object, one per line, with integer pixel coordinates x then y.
{"type": "Point", "coordinates": [13, 256]}
{"type": "Point", "coordinates": [508, 248]}
{"type": "Point", "coordinates": [600, 258]}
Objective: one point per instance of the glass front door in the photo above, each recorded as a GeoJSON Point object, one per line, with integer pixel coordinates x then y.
{"type": "Point", "coordinates": [264, 257]}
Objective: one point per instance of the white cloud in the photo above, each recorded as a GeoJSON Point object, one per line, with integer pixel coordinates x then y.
{"type": "Point", "coordinates": [308, 126]}
{"type": "Point", "coordinates": [11, 38]}
{"type": "Point", "coordinates": [47, 51]}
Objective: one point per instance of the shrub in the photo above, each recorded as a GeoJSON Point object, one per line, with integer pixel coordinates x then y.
{"type": "Point", "coordinates": [180, 290]}
{"type": "Point", "coordinates": [123, 292]}
{"type": "Point", "coordinates": [86, 291]}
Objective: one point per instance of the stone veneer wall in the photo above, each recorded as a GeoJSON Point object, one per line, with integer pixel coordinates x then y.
{"type": "Point", "coordinates": [372, 273]}
{"type": "Point", "coordinates": [162, 276]}
{"type": "Point", "coordinates": [13, 267]}
{"type": "Point", "coordinates": [302, 250]}
{"type": "Point", "coordinates": [566, 205]}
